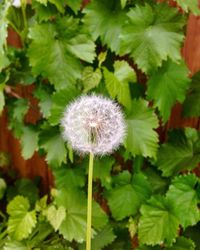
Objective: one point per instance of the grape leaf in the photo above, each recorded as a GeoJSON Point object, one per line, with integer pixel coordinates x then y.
{"type": "Point", "coordinates": [105, 19]}
{"type": "Point", "coordinates": [123, 3]}
{"type": "Point", "coordinates": [103, 238]}
{"type": "Point", "coordinates": [51, 141]}
{"type": "Point", "coordinates": [60, 49]}
{"type": "Point", "coordinates": [102, 170]}
{"type": "Point", "coordinates": [15, 245]}
{"type": "Point", "coordinates": [75, 5]}
{"type": "Point", "coordinates": [2, 187]}
{"type": "Point", "coordinates": [122, 178]}
{"type": "Point", "coordinates": [191, 106]}
{"type": "Point", "coordinates": [74, 225]}
{"type": "Point", "coordinates": [91, 78]}
{"type": "Point", "coordinates": [55, 216]}
{"type": "Point", "coordinates": [45, 102]}
{"type": "Point", "coordinates": [68, 177]}
{"type": "Point", "coordinates": [183, 196]}
{"type": "Point", "coordinates": [159, 184]}
{"type": "Point", "coordinates": [21, 221]}
{"type": "Point", "coordinates": [141, 137]}
{"type": "Point", "coordinates": [29, 141]}
{"type": "Point", "coordinates": [156, 214]}
{"type": "Point", "coordinates": [148, 248]}
{"type": "Point", "coordinates": [126, 200]}
{"type": "Point", "coordinates": [42, 1]}
{"type": "Point", "coordinates": [189, 5]}
{"type": "Point", "coordinates": [20, 109]}
{"type": "Point", "coordinates": [26, 188]}
{"type": "Point", "coordinates": [153, 34]}
{"type": "Point", "coordinates": [182, 244]}
{"type": "Point", "coordinates": [180, 153]}
{"type": "Point", "coordinates": [17, 112]}
{"type": "Point", "coordinates": [123, 201]}
{"type": "Point", "coordinates": [60, 99]}
{"type": "Point", "coordinates": [167, 85]}
{"type": "Point", "coordinates": [193, 234]}
{"type": "Point", "coordinates": [2, 99]}
{"type": "Point", "coordinates": [117, 82]}
{"type": "Point", "coordinates": [60, 5]}
{"type": "Point", "coordinates": [3, 34]}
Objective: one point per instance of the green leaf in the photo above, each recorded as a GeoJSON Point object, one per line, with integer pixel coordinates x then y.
{"type": "Point", "coordinates": [102, 170]}
{"type": "Point", "coordinates": [24, 187]}
{"type": "Point", "coordinates": [74, 225]}
{"type": "Point", "coordinates": [29, 141]}
{"type": "Point", "coordinates": [158, 223]}
{"type": "Point", "coordinates": [148, 248]}
{"type": "Point", "coordinates": [69, 177]}
{"type": "Point", "coordinates": [103, 238]}
{"type": "Point", "coordinates": [60, 49]}
{"type": "Point", "coordinates": [153, 34]}
{"type": "Point", "coordinates": [123, 202]}
{"type": "Point", "coordinates": [2, 188]}
{"type": "Point", "coordinates": [159, 184]}
{"type": "Point", "coordinates": [3, 34]}
{"type": "Point", "coordinates": [17, 112]}
{"type": "Point", "coordinates": [45, 102]}
{"type": "Point", "coordinates": [126, 200]}
{"type": "Point", "coordinates": [182, 244]}
{"type": "Point", "coordinates": [60, 5]}
{"type": "Point", "coordinates": [193, 234]}
{"type": "Point", "coordinates": [180, 153]}
{"type": "Point", "coordinates": [189, 5]}
{"type": "Point", "coordinates": [141, 137]}
{"type": "Point", "coordinates": [42, 12]}
{"type": "Point", "coordinates": [183, 196]}
{"type": "Point", "coordinates": [105, 19]}
{"type": "Point", "coordinates": [42, 1]}
{"type": "Point", "coordinates": [20, 109]}
{"type": "Point", "coordinates": [123, 3]}
{"type": "Point", "coordinates": [91, 78]}
{"type": "Point", "coordinates": [191, 106]}
{"type": "Point", "coordinates": [55, 216]}
{"type": "Point", "coordinates": [52, 142]}
{"type": "Point", "coordinates": [60, 99]}
{"type": "Point", "coordinates": [141, 186]}
{"type": "Point", "coordinates": [75, 5]}
{"type": "Point", "coordinates": [167, 85]}
{"type": "Point", "coordinates": [21, 221]}
{"type": "Point", "coordinates": [15, 245]}
{"type": "Point", "coordinates": [117, 82]}
{"type": "Point", "coordinates": [2, 98]}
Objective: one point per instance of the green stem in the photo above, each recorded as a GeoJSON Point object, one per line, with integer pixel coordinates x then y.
{"type": "Point", "coordinates": [89, 205]}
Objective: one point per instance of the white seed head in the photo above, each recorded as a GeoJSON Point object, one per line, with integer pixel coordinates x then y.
{"type": "Point", "coordinates": [93, 124]}
{"type": "Point", "coordinates": [17, 3]}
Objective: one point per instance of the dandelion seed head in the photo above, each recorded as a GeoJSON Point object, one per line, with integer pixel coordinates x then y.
{"type": "Point", "coordinates": [16, 3]}
{"type": "Point", "coordinates": [93, 124]}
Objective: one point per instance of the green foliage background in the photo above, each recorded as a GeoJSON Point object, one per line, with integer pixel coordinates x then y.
{"type": "Point", "coordinates": [146, 192]}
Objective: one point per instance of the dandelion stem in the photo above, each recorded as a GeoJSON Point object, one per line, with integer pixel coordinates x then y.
{"type": "Point", "coordinates": [89, 205]}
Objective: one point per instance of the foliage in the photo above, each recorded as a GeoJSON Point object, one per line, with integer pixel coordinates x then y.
{"type": "Point", "coordinates": [145, 192]}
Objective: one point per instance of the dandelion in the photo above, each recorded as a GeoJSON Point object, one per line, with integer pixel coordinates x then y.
{"type": "Point", "coordinates": [93, 125]}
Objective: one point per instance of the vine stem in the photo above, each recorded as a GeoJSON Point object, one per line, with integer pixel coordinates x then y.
{"type": "Point", "coordinates": [89, 203]}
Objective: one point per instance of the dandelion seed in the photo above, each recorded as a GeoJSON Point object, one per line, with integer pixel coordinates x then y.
{"type": "Point", "coordinates": [93, 124]}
